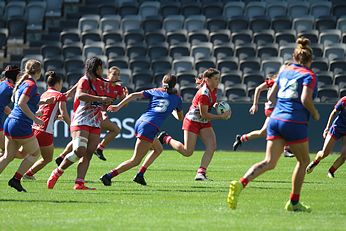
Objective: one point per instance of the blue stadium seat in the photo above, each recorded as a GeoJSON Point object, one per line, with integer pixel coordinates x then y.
{"type": "Point", "coordinates": [341, 24]}
{"type": "Point", "coordinates": [119, 61]}
{"type": "Point", "coordinates": [190, 9]}
{"type": "Point", "coordinates": [110, 23]}
{"type": "Point", "coordinates": [91, 36]}
{"type": "Point", "coordinates": [70, 36]}
{"type": "Point", "coordinates": [131, 22]}
{"type": "Point", "coordinates": [173, 23]}
{"type": "Point", "coordinates": [94, 49]}
{"type": "Point", "coordinates": [232, 77]}
{"type": "Point", "coordinates": [179, 50]}
{"type": "Point", "coordinates": [260, 23]}
{"type": "Point", "coordinates": [250, 64]}
{"type": "Point", "coordinates": [303, 24]}
{"type": "Point", "coordinates": [72, 49]}
{"type": "Point", "coordinates": [320, 8]}
{"type": "Point", "coordinates": [220, 37]}
{"type": "Point", "coordinates": [268, 51]}
{"type": "Point", "coordinates": [276, 9]}
{"type": "Point", "coordinates": [325, 78]}
{"type": "Point", "coordinates": [254, 9]}
{"type": "Point", "coordinates": [264, 37]}
{"type": "Point", "coordinates": [188, 92]}
{"type": "Point", "coordinates": [54, 64]}
{"type": "Point", "coordinates": [74, 64]}
{"type": "Point", "coordinates": [89, 22]}
{"type": "Point", "coordinates": [297, 9]}
{"type": "Point", "coordinates": [212, 9]}
{"type": "Point", "coordinates": [228, 64]}
{"type": "Point", "coordinates": [3, 38]}
{"type": "Point", "coordinates": [236, 91]}
{"type": "Point", "coordinates": [203, 64]}
{"type": "Point", "coordinates": [281, 23]}
{"type": "Point", "coordinates": [338, 66]}
{"type": "Point", "coordinates": [224, 50]}
{"type": "Point", "coordinates": [198, 36]}
{"type": "Point", "coordinates": [216, 24]}
{"type": "Point", "coordinates": [135, 36]}
{"type": "Point", "coordinates": [158, 50]}
{"type": "Point", "coordinates": [51, 49]}
{"type": "Point", "coordinates": [195, 22]}
{"type": "Point", "coordinates": [270, 66]}
{"type": "Point", "coordinates": [16, 27]}
{"type": "Point", "coordinates": [116, 50]}
{"type": "Point", "coordinates": [177, 37]}
{"type": "Point", "coordinates": [35, 12]}
{"type": "Point", "coordinates": [161, 65]}
{"type": "Point", "coordinates": [285, 36]}
{"type": "Point", "coordinates": [253, 79]}
{"type": "Point", "coordinates": [328, 92]}
{"type": "Point", "coordinates": [113, 36]}
{"type": "Point", "coordinates": [106, 9]}
{"type": "Point", "coordinates": [139, 64]}
{"type": "Point", "coordinates": [136, 50]}
{"type": "Point", "coordinates": [329, 37]}
{"type": "Point", "coordinates": [149, 8]}
{"type": "Point", "coordinates": [232, 9]}
{"type": "Point", "coordinates": [312, 35]}
{"type": "Point", "coordinates": [170, 8]}
{"type": "Point", "coordinates": [286, 51]}
{"type": "Point", "coordinates": [183, 64]}
{"type": "Point", "coordinates": [335, 51]}
{"type": "Point", "coordinates": [156, 36]}
{"type": "Point", "coordinates": [152, 23]}
{"type": "Point", "coordinates": [14, 8]}
{"type": "Point", "coordinates": [319, 64]}
{"type": "Point", "coordinates": [238, 23]}
{"type": "Point", "coordinates": [246, 50]}
{"type": "Point", "coordinates": [186, 78]}
{"type": "Point", "coordinates": [325, 23]}
{"type": "Point", "coordinates": [242, 37]}
{"type": "Point", "coordinates": [128, 9]}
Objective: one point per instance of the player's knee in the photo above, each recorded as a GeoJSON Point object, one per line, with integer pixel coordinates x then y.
{"type": "Point", "coordinates": [135, 162]}
{"type": "Point", "coordinates": [270, 164]}
{"type": "Point", "coordinates": [80, 145]}
{"type": "Point", "coordinates": [48, 159]}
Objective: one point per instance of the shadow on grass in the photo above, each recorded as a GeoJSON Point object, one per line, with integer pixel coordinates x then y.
{"type": "Point", "coordinates": [54, 201]}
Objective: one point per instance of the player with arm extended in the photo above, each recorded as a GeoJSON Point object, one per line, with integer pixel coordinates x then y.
{"type": "Point", "coordinates": [197, 123]}
{"type": "Point", "coordinates": [113, 90]}
{"type": "Point", "coordinates": [335, 129]}
{"type": "Point", "coordinates": [268, 109]}
{"type": "Point", "coordinates": [163, 101]}
{"type": "Point", "coordinates": [295, 88]}
{"type": "Point", "coordinates": [85, 124]}
{"type": "Point", "coordinates": [44, 132]}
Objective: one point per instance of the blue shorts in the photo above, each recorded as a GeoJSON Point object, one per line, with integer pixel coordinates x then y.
{"type": "Point", "coordinates": [145, 130]}
{"type": "Point", "coordinates": [17, 129]}
{"type": "Point", "coordinates": [291, 132]}
{"type": "Point", "coordinates": [335, 132]}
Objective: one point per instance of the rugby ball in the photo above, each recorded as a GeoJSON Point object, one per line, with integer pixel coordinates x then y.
{"type": "Point", "coordinates": [223, 107]}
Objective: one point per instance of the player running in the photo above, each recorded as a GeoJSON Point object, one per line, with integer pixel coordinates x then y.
{"type": "Point", "coordinates": [6, 87]}
{"type": "Point", "coordinates": [17, 127]}
{"type": "Point", "coordinates": [268, 109]}
{"type": "Point", "coordinates": [333, 132]}
{"type": "Point", "coordinates": [163, 102]}
{"type": "Point", "coordinates": [197, 123]}
{"type": "Point", "coordinates": [295, 88]}
{"type": "Point", "coordinates": [115, 91]}
{"type": "Point", "coordinates": [44, 132]}
{"type": "Point", "coordinates": [85, 124]}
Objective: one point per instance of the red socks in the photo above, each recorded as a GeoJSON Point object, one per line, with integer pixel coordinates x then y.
{"type": "Point", "coordinates": [100, 146]}
{"type": "Point", "coordinates": [18, 176]}
{"type": "Point", "coordinates": [114, 173]}
{"type": "Point", "coordinates": [167, 139]}
{"type": "Point", "coordinates": [332, 169]}
{"type": "Point", "coordinates": [142, 170]}
{"type": "Point", "coordinates": [244, 181]}
{"type": "Point", "coordinates": [244, 138]}
{"type": "Point", "coordinates": [294, 198]}
{"type": "Point", "coordinates": [29, 172]}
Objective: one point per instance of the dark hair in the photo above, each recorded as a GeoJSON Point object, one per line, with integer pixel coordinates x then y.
{"type": "Point", "coordinates": [11, 72]}
{"type": "Point", "coordinates": [168, 83]}
{"type": "Point", "coordinates": [210, 72]}
{"type": "Point", "coordinates": [91, 66]}
{"type": "Point", "coordinates": [52, 78]}
{"type": "Point", "coordinates": [302, 53]}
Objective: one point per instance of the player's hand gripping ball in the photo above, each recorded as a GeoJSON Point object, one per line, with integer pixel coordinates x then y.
{"type": "Point", "coordinates": [223, 107]}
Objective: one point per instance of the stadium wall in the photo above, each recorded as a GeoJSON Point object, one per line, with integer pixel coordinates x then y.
{"type": "Point", "coordinates": [240, 122]}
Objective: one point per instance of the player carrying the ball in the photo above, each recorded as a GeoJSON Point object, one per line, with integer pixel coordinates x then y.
{"type": "Point", "coordinates": [197, 122]}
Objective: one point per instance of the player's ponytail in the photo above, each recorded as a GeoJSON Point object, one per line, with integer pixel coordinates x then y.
{"type": "Point", "coordinates": [168, 82]}
{"type": "Point", "coordinates": [32, 67]}
{"type": "Point", "coordinates": [52, 78]}
{"type": "Point", "coordinates": [303, 53]}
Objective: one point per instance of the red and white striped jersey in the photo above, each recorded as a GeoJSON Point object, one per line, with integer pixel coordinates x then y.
{"type": "Point", "coordinates": [86, 113]}
{"type": "Point", "coordinates": [49, 111]}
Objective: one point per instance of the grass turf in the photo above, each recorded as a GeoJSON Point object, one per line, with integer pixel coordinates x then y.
{"type": "Point", "coordinates": [173, 200]}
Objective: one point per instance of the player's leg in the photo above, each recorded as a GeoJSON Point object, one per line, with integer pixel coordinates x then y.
{"type": "Point", "coordinates": [328, 146]}
{"type": "Point", "coordinates": [66, 151]}
{"type": "Point", "coordinates": [339, 161]}
{"type": "Point", "coordinates": [113, 131]}
{"type": "Point", "coordinates": [239, 139]}
{"type": "Point", "coordinates": [31, 147]}
{"type": "Point", "coordinates": [79, 148]}
{"type": "Point", "coordinates": [83, 165]}
{"type": "Point", "coordinates": [208, 138]}
{"type": "Point", "coordinates": [273, 152]}
{"type": "Point", "coordinates": [2, 142]}
{"type": "Point", "coordinates": [157, 150]}
{"type": "Point", "coordinates": [47, 157]}
{"type": "Point", "coordinates": [141, 149]}
{"type": "Point", "coordinates": [187, 148]}
{"type": "Point", "coordinates": [301, 151]}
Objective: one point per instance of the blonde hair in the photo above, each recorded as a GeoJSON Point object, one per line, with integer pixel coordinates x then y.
{"type": "Point", "coordinates": [32, 67]}
{"type": "Point", "coordinates": [114, 68]}
{"type": "Point", "coordinates": [302, 53]}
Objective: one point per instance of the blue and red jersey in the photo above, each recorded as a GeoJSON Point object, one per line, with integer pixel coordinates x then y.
{"type": "Point", "coordinates": [160, 106]}
{"type": "Point", "coordinates": [340, 120]}
{"type": "Point", "coordinates": [29, 88]}
{"type": "Point", "coordinates": [6, 88]}
{"type": "Point", "coordinates": [291, 81]}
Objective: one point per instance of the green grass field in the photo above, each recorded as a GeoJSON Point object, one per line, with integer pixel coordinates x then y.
{"type": "Point", "coordinates": [173, 200]}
